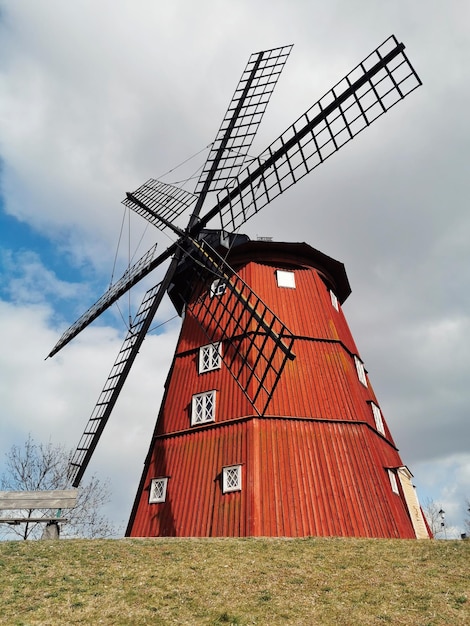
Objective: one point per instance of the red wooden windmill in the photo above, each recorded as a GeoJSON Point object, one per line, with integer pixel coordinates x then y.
{"type": "Point", "coordinates": [268, 424]}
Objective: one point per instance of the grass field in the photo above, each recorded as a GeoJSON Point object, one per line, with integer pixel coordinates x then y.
{"type": "Point", "coordinates": [235, 581]}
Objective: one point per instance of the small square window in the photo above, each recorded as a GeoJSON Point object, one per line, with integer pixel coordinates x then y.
{"type": "Point", "coordinates": [203, 408]}
{"type": "Point", "coordinates": [231, 478]}
{"type": "Point", "coordinates": [393, 481]}
{"type": "Point", "coordinates": [210, 357]}
{"type": "Point", "coordinates": [334, 300]}
{"type": "Point", "coordinates": [361, 372]}
{"type": "Point", "coordinates": [218, 287]}
{"type": "Point", "coordinates": [285, 279]}
{"type": "Point", "coordinates": [379, 424]}
{"type": "Point", "coordinates": [158, 490]}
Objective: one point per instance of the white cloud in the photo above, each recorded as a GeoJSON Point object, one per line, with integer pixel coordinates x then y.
{"type": "Point", "coordinates": [30, 281]}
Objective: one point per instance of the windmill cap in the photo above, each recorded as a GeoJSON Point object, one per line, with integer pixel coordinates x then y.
{"type": "Point", "coordinates": [295, 254]}
{"type": "Point", "coordinates": [242, 250]}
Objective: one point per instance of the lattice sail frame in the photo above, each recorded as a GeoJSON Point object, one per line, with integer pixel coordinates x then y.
{"type": "Point", "coordinates": [352, 105]}
{"type": "Point", "coordinates": [166, 200]}
{"type": "Point", "coordinates": [117, 289]}
{"type": "Point", "coordinates": [256, 345]}
{"type": "Point", "coordinates": [245, 112]}
{"type": "Point", "coordinates": [108, 396]}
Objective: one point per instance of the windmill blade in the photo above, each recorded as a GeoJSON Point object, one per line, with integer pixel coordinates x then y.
{"type": "Point", "coordinates": [255, 343]}
{"type": "Point", "coordinates": [117, 377]}
{"type": "Point", "coordinates": [242, 119]}
{"type": "Point", "coordinates": [129, 278]}
{"type": "Point", "coordinates": [379, 82]}
{"type": "Point", "coordinates": [155, 200]}
{"type": "Point", "coordinates": [146, 264]}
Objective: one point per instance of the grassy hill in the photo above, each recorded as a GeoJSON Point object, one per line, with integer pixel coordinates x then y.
{"type": "Point", "coordinates": [235, 581]}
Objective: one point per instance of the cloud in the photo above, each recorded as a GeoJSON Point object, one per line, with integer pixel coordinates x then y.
{"type": "Point", "coordinates": [31, 282]}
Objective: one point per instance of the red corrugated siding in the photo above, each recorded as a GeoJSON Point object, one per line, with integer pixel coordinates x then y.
{"type": "Point", "coordinates": [300, 477]}
{"type": "Point", "coordinates": [326, 478]}
{"type": "Point", "coordinates": [305, 310]}
{"type": "Point", "coordinates": [314, 465]}
{"type": "Point", "coordinates": [195, 505]}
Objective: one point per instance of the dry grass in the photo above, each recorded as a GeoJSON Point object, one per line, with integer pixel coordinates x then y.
{"type": "Point", "coordinates": [235, 581]}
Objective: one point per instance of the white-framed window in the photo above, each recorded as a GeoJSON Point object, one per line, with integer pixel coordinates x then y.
{"type": "Point", "coordinates": [393, 481]}
{"type": "Point", "coordinates": [361, 372]}
{"type": "Point", "coordinates": [203, 408]}
{"type": "Point", "coordinates": [334, 300]}
{"type": "Point", "coordinates": [210, 357]}
{"type": "Point", "coordinates": [285, 279]}
{"type": "Point", "coordinates": [157, 491]}
{"type": "Point", "coordinates": [379, 423]}
{"type": "Point", "coordinates": [217, 287]}
{"type": "Point", "coordinates": [231, 478]}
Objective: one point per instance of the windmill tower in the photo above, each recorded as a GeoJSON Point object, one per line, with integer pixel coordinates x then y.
{"type": "Point", "coordinates": [269, 425]}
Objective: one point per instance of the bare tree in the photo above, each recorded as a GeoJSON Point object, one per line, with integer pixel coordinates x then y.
{"type": "Point", "coordinates": [434, 516]}
{"type": "Point", "coordinates": [38, 467]}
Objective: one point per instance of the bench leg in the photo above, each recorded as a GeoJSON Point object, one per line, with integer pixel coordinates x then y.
{"type": "Point", "coordinates": [51, 531]}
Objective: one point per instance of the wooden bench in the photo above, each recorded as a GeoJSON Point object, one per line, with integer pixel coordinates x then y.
{"type": "Point", "coordinates": [31, 500]}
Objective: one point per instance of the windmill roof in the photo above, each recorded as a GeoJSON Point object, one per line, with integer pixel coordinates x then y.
{"type": "Point", "coordinates": [295, 254]}
{"type": "Point", "coordinates": [244, 250]}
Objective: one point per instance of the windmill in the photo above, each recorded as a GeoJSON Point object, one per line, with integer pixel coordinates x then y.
{"type": "Point", "coordinates": [233, 334]}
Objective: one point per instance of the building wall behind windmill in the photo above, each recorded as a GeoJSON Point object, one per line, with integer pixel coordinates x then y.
{"type": "Point", "coordinates": [315, 464]}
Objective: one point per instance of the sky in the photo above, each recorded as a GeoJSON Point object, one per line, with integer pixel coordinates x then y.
{"type": "Point", "coordinates": [98, 97]}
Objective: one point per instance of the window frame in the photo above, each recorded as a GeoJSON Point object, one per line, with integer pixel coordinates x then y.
{"type": "Point", "coordinates": [334, 300]}
{"type": "Point", "coordinates": [393, 478]}
{"type": "Point", "coordinates": [285, 279]}
{"type": "Point", "coordinates": [159, 499]}
{"type": "Point", "coordinates": [361, 370]}
{"type": "Point", "coordinates": [378, 418]}
{"type": "Point", "coordinates": [226, 470]}
{"type": "Point", "coordinates": [218, 287]}
{"type": "Point", "coordinates": [214, 358]}
{"type": "Point", "coordinates": [210, 416]}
